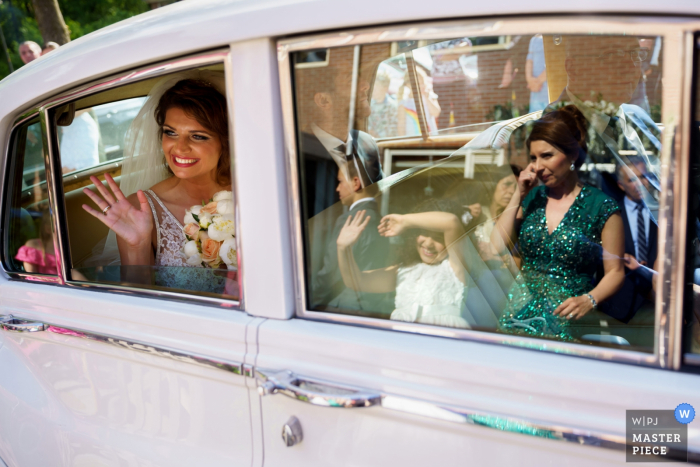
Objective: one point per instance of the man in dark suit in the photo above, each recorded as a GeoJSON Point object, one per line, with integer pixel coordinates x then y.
{"type": "Point", "coordinates": [326, 105]}
{"type": "Point", "coordinates": [370, 251]}
{"type": "Point", "coordinates": [641, 235]}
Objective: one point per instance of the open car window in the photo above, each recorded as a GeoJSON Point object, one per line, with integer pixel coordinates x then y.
{"type": "Point", "coordinates": [114, 137]}
{"type": "Point", "coordinates": [406, 199]}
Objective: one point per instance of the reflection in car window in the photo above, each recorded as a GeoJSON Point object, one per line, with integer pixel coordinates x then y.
{"type": "Point", "coordinates": [691, 319]}
{"type": "Point", "coordinates": [29, 244]}
{"type": "Point", "coordinates": [161, 216]}
{"type": "Point", "coordinates": [522, 198]}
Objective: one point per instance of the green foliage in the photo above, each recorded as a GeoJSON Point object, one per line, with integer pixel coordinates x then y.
{"type": "Point", "coordinates": [82, 17]}
{"type": "Point", "coordinates": [86, 16]}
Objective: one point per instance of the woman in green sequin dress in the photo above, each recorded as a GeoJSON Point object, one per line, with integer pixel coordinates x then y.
{"type": "Point", "coordinates": [564, 230]}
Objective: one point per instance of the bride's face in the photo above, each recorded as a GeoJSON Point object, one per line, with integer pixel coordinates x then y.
{"type": "Point", "coordinates": [190, 149]}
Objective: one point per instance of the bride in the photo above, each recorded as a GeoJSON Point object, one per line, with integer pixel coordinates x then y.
{"type": "Point", "coordinates": [178, 145]}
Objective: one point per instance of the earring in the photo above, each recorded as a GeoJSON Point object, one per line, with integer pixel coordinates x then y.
{"type": "Point", "coordinates": [572, 167]}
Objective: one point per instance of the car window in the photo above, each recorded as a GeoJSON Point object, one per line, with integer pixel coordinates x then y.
{"type": "Point", "coordinates": [691, 320]}
{"type": "Point", "coordinates": [28, 238]}
{"type": "Point", "coordinates": [166, 182]}
{"type": "Point", "coordinates": [96, 134]}
{"type": "Point", "coordinates": [413, 209]}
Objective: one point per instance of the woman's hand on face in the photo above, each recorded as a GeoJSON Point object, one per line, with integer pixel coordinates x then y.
{"type": "Point", "coordinates": [353, 228]}
{"type": "Point", "coordinates": [392, 225]}
{"type": "Point", "coordinates": [527, 180]}
{"type": "Point", "coordinates": [574, 307]}
{"type": "Point", "coordinates": [132, 225]}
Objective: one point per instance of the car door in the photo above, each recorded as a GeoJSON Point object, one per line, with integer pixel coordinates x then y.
{"type": "Point", "coordinates": [99, 369]}
{"type": "Point", "coordinates": [340, 383]}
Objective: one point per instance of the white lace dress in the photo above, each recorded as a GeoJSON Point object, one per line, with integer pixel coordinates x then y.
{"type": "Point", "coordinates": [430, 294]}
{"type": "Point", "coordinates": [172, 269]}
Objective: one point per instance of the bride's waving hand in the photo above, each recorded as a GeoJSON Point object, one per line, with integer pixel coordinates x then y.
{"type": "Point", "coordinates": [133, 225]}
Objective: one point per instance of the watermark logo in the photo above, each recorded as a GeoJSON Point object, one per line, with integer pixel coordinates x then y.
{"type": "Point", "coordinates": [684, 413]}
{"type": "Point", "coordinates": [658, 435]}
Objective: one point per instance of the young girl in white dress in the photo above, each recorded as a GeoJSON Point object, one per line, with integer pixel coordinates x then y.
{"type": "Point", "coordinates": [430, 282]}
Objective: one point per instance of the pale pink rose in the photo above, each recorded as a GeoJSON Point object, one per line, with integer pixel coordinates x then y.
{"type": "Point", "coordinates": [191, 230]}
{"type": "Point", "coordinates": [210, 208]}
{"type": "Point", "coordinates": [210, 250]}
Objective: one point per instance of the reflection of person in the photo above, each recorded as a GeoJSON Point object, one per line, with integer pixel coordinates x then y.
{"type": "Point", "coordinates": [606, 70]}
{"type": "Point", "coordinates": [327, 93]}
{"type": "Point", "coordinates": [564, 230]}
{"type": "Point", "coordinates": [505, 184]}
{"type": "Point", "coordinates": [370, 250]}
{"type": "Point", "coordinates": [450, 81]}
{"type": "Point", "coordinates": [187, 119]}
{"type": "Point", "coordinates": [641, 234]}
{"type": "Point", "coordinates": [536, 74]}
{"type": "Point", "coordinates": [408, 121]}
{"type": "Point", "coordinates": [29, 51]}
{"type": "Point", "coordinates": [49, 47]}
{"type": "Point", "coordinates": [37, 255]}
{"type": "Point", "coordinates": [382, 119]}
{"type": "Point", "coordinates": [80, 143]}
{"type": "Point", "coordinates": [430, 282]}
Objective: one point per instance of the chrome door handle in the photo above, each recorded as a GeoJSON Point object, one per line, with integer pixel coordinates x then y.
{"type": "Point", "coordinates": [314, 391]}
{"type": "Point", "coordinates": [10, 323]}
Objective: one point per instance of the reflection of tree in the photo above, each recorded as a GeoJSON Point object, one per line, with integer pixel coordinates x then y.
{"type": "Point", "coordinates": [506, 111]}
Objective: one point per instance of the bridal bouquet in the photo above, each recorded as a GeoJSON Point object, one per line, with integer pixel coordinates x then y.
{"type": "Point", "coordinates": [210, 230]}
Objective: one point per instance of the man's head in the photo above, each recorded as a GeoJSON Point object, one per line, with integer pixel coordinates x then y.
{"type": "Point", "coordinates": [49, 47]}
{"type": "Point", "coordinates": [29, 51]}
{"type": "Point", "coordinates": [630, 180]}
{"type": "Point", "coordinates": [325, 91]}
{"type": "Point", "coordinates": [608, 67]}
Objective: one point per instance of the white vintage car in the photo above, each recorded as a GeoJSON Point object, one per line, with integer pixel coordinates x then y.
{"type": "Point", "coordinates": [285, 360]}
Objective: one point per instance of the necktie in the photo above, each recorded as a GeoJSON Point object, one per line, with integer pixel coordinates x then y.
{"type": "Point", "coordinates": [642, 252]}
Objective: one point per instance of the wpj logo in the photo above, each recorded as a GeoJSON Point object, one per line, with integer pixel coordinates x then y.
{"type": "Point", "coordinates": [658, 435]}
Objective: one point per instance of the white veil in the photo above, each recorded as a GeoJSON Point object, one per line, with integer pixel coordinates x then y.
{"type": "Point", "coordinates": [144, 164]}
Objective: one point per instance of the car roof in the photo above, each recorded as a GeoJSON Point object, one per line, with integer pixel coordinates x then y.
{"type": "Point", "coordinates": [176, 30]}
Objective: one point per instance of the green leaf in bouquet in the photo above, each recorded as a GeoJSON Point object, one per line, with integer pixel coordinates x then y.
{"type": "Point", "coordinates": [196, 217]}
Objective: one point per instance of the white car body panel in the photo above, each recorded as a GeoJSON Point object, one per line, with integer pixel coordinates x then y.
{"type": "Point", "coordinates": [68, 400]}
{"type": "Point", "coordinates": [71, 401]}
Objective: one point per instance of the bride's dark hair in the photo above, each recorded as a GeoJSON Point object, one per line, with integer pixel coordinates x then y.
{"type": "Point", "coordinates": [201, 101]}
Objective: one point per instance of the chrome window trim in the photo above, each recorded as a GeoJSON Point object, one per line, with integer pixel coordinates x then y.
{"type": "Point", "coordinates": [673, 30]}
{"type": "Point", "coordinates": [142, 347]}
{"type": "Point", "coordinates": [139, 74]}
{"type": "Point", "coordinates": [675, 252]}
{"type": "Point", "coordinates": [217, 56]}
{"type": "Point", "coordinates": [53, 173]}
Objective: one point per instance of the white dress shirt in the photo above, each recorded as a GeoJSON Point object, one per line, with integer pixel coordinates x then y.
{"type": "Point", "coordinates": [360, 201]}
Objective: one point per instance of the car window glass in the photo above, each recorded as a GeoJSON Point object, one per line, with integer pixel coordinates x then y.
{"type": "Point", "coordinates": [413, 225]}
{"type": "Point", "coordinates": [28, 244]}
{"type": "Point", "coordinates": [186, 239]}
{"type": "Point", "coordinates": [96, 134]}
{"type": "Point", "coordinates": [691, 321]}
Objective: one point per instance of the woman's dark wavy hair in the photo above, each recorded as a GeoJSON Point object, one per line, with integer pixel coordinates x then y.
{"type": "Point", "coordinates": [408, 255]}
{"type": "Point", "coordinates": [201, 101]}
{"type": "Point", "coordinates": [565, 129]}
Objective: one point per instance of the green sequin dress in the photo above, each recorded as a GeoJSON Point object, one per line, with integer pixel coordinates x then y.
{"type": "Point", "coordinates": [556, 266]}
